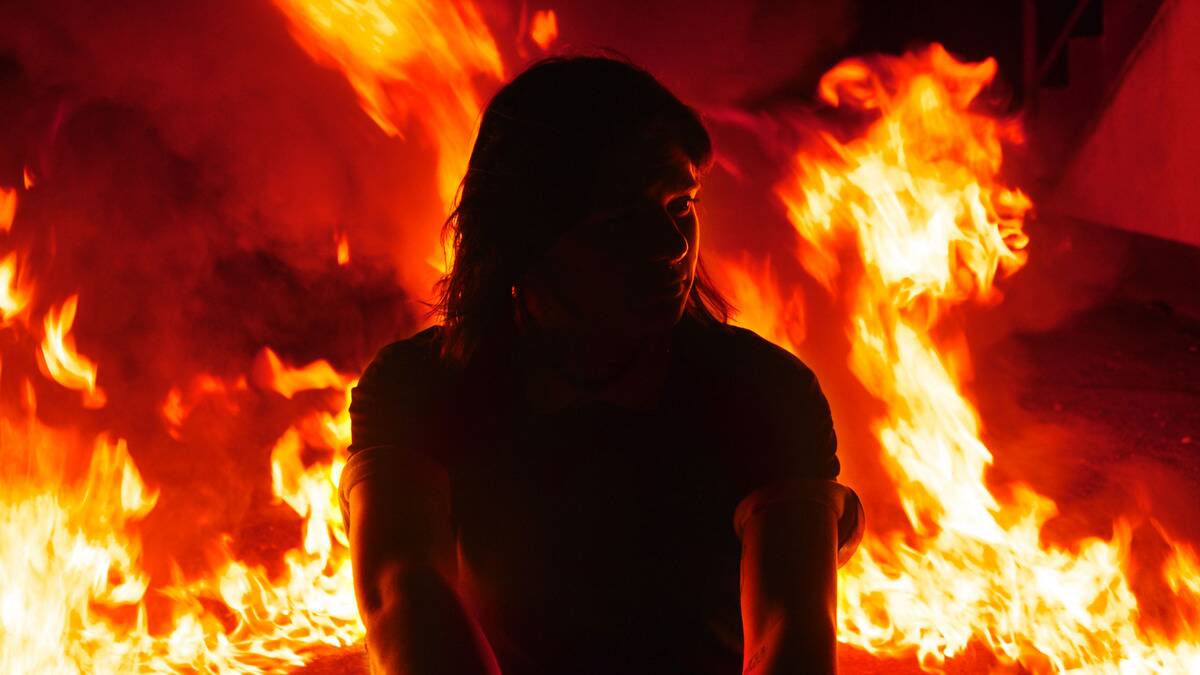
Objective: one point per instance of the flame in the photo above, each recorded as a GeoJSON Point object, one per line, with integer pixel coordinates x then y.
{"type": "Point", "coordinates": [62, 362]}
{"type": "Point", "coordinates": [8, 208]}
{"type": "Point", "coordinates": [13, 298]}
{"type": "Point", "coordinates": [177, 406]}
{"type": "Point", "coordinates": [761, 303]}
{"type": "Point", "coordinates": [918, 203]}
{"type": "Point", "coordinates": [407, 57]}
{"type": "Point", "coordinates": [271, 373]}
{"type": "Point", "coordinates": [543, 28]}
{"type": "Point", "coordinates": [74, 596]}
{"type": "Point", "coordinates": [27, 177]}
{"type": "Point", "coordinates": [73, 593]}
{"type": "Point", "coordinates": [68, 561]}
{"type": "Point", "coordinates": [342, 244]}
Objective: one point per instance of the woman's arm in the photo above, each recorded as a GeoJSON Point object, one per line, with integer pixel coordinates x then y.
{"type": "Point", "coordinates": [402, 551]}
{"type": "Point", "coordinates": [788, 584]}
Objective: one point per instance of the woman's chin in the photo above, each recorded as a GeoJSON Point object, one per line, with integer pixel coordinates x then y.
{"type": "Point", "coordinates": [654, 315]}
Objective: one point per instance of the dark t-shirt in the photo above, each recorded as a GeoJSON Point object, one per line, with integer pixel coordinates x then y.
{"type": "Point", "coordinates": [599, 538]}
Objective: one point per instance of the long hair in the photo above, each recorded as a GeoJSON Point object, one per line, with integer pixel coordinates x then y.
{"type": "Point", "coordinates": [538, 150]}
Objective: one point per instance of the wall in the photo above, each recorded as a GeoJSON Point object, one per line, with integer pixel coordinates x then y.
{"type": "Point", "coordinates": [1139, 167]}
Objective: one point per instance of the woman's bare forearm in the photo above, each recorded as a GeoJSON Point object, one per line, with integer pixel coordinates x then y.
{"type": "Point", "coordinates": [789, 588]}
{"type": "Point", "coordinates": [420, 627]}
{"type": "Point", "coordinates": [792, 647]}
{"type": "Point", "coordinates": [401, 546]}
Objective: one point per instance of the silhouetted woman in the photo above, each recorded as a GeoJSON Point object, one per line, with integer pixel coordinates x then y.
{"type": "Point", "coordinates": [583, 469]}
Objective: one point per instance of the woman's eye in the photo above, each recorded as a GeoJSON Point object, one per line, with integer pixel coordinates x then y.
{"type": "Point", "coordinates": [681, 207]}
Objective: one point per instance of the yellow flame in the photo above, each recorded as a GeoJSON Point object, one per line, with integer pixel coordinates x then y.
{"type": "Point", "coordinates": [68, 564]}
{"type": "Point", "coordinates": [13, 298]}
{"type": "Point", "coordinates": [62, 362]}
{"type": "Point", "coordinates": [407, 57]}
{"type": "Point", "coordinates": [73, 593]}
{"type": "Point", "coordinates": [918, 199]}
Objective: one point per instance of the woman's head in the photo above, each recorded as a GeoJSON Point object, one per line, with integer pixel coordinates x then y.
{"type": "Point", "coordinates": [577, 209]}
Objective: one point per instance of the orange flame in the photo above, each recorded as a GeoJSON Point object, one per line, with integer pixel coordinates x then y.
{"type": "Point", "coordinates": [73, 597]}
{"type": "Point", "coordinates": [342, 244]}
{"type": "Point", "coordinates": [177, 405]}
{"type": "Point", "coordinates": [62, 362]}
{"type": "Point", "coordinates": [917, 198]}
{"type": "Point", "coordinates": [8, 208]}
{"type": "Point", "coordinates": [13, 298]}
{"type": "Point", "coordinates": [404, 57]}
{"type": "Point", "coordinates": [69, 557]}
{"type": "Point", "coordinates": [543, 29]}
{"type": "Point", "coordinates": [760, 302]}
{"type": "Point", "coordinates": [271, 373]}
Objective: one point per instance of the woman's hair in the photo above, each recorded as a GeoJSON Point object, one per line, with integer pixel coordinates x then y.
{"type": "Point", "coordinates": [543, 141]}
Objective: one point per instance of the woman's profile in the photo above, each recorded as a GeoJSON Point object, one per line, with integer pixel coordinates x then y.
{"type": "Point", "coordinates": [583, 469]}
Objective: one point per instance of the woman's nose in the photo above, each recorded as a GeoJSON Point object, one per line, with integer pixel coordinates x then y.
{"type": "Point", "coordinates": [666, 243]}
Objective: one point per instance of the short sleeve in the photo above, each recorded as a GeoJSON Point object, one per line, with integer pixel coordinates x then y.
{"type": "Point", "coordinates": [843, 501]}
{"type": "Point", "coordinates": [789, 427]}
{"type": "Point", "coordinates": [790, 451]}
{"type": "Point", "coordinates": [394, 409]}
{"type": "Point", "coordinates": [398, 390]}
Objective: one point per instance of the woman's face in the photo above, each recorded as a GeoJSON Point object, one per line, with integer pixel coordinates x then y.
{"type": "Point", "coordinates": [625, 271]}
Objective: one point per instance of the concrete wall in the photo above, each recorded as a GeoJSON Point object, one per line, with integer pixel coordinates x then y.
{"type": "Point", "coordinates": [1138, 169]}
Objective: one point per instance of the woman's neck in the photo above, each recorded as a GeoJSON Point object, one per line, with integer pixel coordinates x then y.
{"type": "Point", "coordinates": [562, 371]}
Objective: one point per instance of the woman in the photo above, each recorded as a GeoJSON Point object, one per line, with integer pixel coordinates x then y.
{"type": "Point", "coordinates": [583, 469]}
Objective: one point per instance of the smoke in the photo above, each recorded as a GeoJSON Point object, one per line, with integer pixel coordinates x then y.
{"type": "Point", "coordinates": [192, 166]}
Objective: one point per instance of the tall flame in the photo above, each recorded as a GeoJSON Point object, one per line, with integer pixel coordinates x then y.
{"type": "Point", "coordinates": [917, 201]}
{"type": "Point", "coordinates": [407, 58]}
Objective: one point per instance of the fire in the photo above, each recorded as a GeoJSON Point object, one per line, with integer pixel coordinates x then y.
{"type": "Point", "coordinates": [62, 362]}
{"type": "Point", "coordinates": [8, 208]}
{"type": "Point", "coordinates": [74, 596]}
{"type": "Point", "coordinates": [761, 302]}
{"type": "Point", "coordinates": [407, 57]}
{"type": "Point", "coordinates": [342, 244]}
{"type": "Point", "coordinates": [68, 560]}
{"type": "Point", "coordinates": [271, 373]}
{"type": "Point", "coordinates": [543, 29]}
{"type": "Point", "coordinates": [906, 222]}
{"type": "Point", "coordinates": [916, 201]}
{"type": "Point", "coordinates": [13, 298]}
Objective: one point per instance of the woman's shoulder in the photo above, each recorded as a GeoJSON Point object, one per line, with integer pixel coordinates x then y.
{"type": "Point", "coordinates": [741, 356]}
{"type": "Point", "coordinates": [768, 396]}
{"type": "Point", "coordinates": [402, 390]}
{"type": "Point", "coordinates": [417, 355]}
{"type": "Point", "coordinates": [407, 373]}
